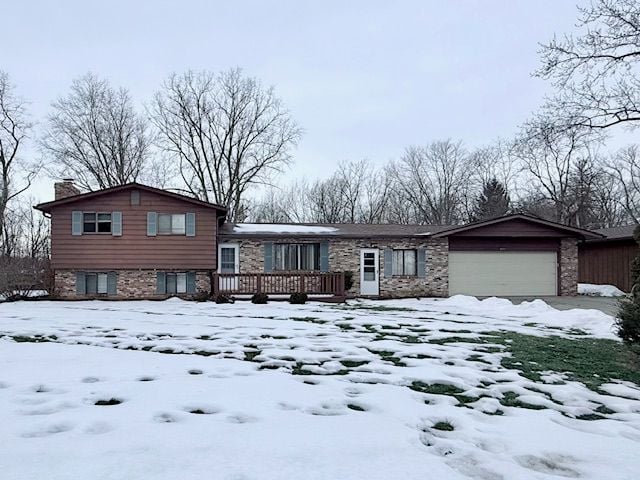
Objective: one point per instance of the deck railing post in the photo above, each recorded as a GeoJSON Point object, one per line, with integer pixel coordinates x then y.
{"type": "Point", "coordinates": [301, 286]}
{"type": "Point", "coordinates": [259, 283]}
{"type": "Point", "coordinates": [215, 283]}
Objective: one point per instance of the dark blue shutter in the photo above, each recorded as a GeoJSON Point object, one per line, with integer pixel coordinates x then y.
{"type": "Point", "coordinates": [268, 257]}
{"type": "Point", "coordinates": [324, 256]}
{"type": "Point", "coordinates": [76, 223]}
{"type": "Point", "coordinates": [191, 282]}
{"type": "Point", "coordinates": [81, 284]}
{"type": "Point", "coordinates": [190, 224]}
{"type": "Point", "coordinates": [152, 224]}
{"type": "Point", "coordinates": [116, 224]}
{"type": "Point", "coordinates": [112, 282]}
{"type": "Point", "coordinates": [422, 263]}
{"type": "Point", "coordinates": [161, 284]}
{"type": "Point", "coordinates": [388, 262]}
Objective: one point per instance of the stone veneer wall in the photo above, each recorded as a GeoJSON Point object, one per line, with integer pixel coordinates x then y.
{"type": "Point", "coordinates": [568, 266]}
{"type": "Point", "coordinates": [130, 284]}
{"type": "Point", "coordinates": [344, 255]}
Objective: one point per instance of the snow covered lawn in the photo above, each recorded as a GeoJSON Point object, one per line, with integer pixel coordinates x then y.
{"type": "Point", "coordinates": [408, 389]}
{"type": "Point", "coordinates": [599, 290]}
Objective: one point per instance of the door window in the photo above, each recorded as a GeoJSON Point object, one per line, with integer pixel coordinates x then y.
{"type": "Point", "coordinates": [369, 266]}
{"type": "Point", "coordinates": [227, 260]}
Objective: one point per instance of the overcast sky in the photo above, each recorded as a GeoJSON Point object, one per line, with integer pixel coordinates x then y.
{"type": "Point", "coordinates": [364, 79]}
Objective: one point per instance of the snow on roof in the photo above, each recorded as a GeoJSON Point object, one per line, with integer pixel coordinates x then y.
{"type": "Point", "coordinates": [280, 228]}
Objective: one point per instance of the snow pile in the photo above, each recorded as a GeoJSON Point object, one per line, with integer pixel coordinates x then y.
{"type": "Point", "coordinates": [281, 228]}
{"type": "Point", "coordinates": [599, 290]}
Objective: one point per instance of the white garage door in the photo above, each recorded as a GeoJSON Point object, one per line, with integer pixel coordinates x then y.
{"type": "Point", "coordinates": [503, 273]}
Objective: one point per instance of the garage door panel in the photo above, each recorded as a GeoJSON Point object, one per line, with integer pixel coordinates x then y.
{"type": "Point", "coordinates": [502, 273]}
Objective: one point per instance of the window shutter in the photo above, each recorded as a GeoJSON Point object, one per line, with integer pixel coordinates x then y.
{"type": "Point", "coordinates": [388, 262]}
{"type": "Point", "coordinates": [112, 282]}
{"type": "Point", "coordinates": [76, 223]}
{"type": "Point", "coordinates": [324, 256]}
{"type": "Point", "coordinates": [190, 224]}
{"type": "Point", "coordinates": [152, 224]}
{"type": "Point", "coordinates": [268, 257]}
{"type": "Point", "coordinates": [161, 283]}
{"type": "Point", "coordinates": [81, 284]}
{"type": "Point", "coordinates": [191, 282]}
{"type": "Point", "coordinates": [422, 263]}
{"type": "Point", "coordinates": [116, 224]}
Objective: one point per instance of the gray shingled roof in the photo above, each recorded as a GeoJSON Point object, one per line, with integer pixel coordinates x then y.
{"type": "Point", "coordinates": [618, 233]}
{"type": "Point", "coordinates": [329, 230]}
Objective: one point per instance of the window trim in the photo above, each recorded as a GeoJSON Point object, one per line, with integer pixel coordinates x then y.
{"type": "Point", "coordinates": [404, 252]}
{"type": "Point", "coordinates": [96, 222]}
{"type": "Point", "coordinates": [276, 267]}
{"type": "Point", "coordinates": [183, 234]}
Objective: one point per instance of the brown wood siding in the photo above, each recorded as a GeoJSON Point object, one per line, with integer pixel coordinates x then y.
{"type": "Point", "coordinates": [484, 244]}
{"type": "Point", "coordinates": [513, 228]}
{"type": "Point", "coordinates": [607, 263]}
{"type": "Point", "coordinates": [134, 249]}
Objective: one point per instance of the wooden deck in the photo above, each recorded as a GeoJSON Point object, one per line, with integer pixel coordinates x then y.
{"type": "Point", "coordinates": [312, 283]}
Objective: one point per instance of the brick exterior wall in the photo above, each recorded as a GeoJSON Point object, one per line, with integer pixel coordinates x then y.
{"type": "Point", "coordinates": [344, 255]}
{"type": "Point", "coordinates": [131, 284]}
{"type": "Point", "coordinates": [568, 266]}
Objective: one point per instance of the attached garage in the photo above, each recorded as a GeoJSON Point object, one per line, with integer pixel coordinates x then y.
{"type": "Point", "coordinates": [503, 273]}
{"type": "Point", "coordinates": [515, 255]}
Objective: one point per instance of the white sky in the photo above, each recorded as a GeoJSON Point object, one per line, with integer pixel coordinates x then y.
{"type": "Point", "coordinates": [364, 79]}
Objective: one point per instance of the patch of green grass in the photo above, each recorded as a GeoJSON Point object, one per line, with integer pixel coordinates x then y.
{"type": "Point", "coordinates": [345, 326]}
{"type": "Point", "coordinates": [33, 339]}
{"type": "Point", "coordinates": [591, 361]}
{"type": "Point", "coordinates": [443, 426]}
{"type": "Point", "coordinates": [389, 357]}
{"type": "Point", "coordinates": [446, 330]}
{"type": "Point", "coordinates": [590, 416]}
{"type": "Point", "coordinates": [109, 402]}
{"type": "Point", "coordinates": [249, 355]}
{"type": "Point", "coordinates": [308, 319]}
{"type": "Point", "coordinates": [357, 408]}
{"type": "Point", "coordinates": [353, 363]}
{"type": "Point", "coordinates": [477, 358]}
{"type": "Point", "coordinates": [275, 337]}
{"type": "Point", "coordinates": [510, 399]}
{"type": "Point", "coordinates": [442, 389]}
{"type": "Point", "coordinates": [605, 410]}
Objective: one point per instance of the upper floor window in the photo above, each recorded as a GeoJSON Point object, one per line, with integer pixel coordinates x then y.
{"type": "Point", "coordinates": [96, 223]}
{"type": "Point", "coordinates": [404, 262]}
{"type": "Point", "coordinates": [172, 223]}
{"type": "Point", "coordinates": [296, 256]}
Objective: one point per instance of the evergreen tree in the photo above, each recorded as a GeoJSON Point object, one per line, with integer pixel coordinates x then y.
{"type": "Point", "coordinates": [493, 202]}
{"type": "Point", "coordinates": [628, 321]}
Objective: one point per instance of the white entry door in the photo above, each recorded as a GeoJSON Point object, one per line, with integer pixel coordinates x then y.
{"type": "Point", "coordinates": [369, 271]}
{"type": "Point", "coordinates": [228, 262]}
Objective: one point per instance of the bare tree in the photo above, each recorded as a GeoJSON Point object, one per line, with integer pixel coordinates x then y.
{"type": "Point", "coordinates": [15, 174]}
{"type": "Point", "coordinates": [625, 169]}
{"type": "Point", "coordinates": [596, 72]}
{"type": "Point", "coordinates": [226, 132]}
{"type": "Point", "coordinates": [95, 136]}
{"type": "Point", "coordinates": [552, 158]}
{"type": "Point", "coordinates": [434, 179]}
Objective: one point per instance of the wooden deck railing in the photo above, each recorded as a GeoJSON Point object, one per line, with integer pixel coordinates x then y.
{"type": "Point", "coordinates": [311, 283]}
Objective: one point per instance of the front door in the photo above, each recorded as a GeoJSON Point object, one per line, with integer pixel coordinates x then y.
{"type": "Point", "coordinates": [228, 262]}
{"type": "Point", "coordinates": [369, 279]}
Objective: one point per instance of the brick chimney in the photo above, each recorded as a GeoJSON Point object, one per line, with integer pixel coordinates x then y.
{"type": "Point", "coordinates": [65, 189]}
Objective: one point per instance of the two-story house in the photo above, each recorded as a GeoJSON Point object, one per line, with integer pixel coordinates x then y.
{"type": "Point", "coordinates": [131, 241]}
{"type": "Point", "coordinates": [135, 241]}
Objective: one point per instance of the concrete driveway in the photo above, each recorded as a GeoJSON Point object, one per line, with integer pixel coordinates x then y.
{"type": "Point", "coordinates": [608, 305]}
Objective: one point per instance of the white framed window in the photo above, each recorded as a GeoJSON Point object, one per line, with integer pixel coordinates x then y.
{"type": "Point", "coordinates": [176, 282]}
{"type": "Point", "coordinates": [296, 256]}
{"type": "Point", "coordinates": [404, 262]}
{"type": "Point", "coordinates": [93, 222]}
{"type": "Point", "coordinates": [172, 224]}
{"type": "Point", "coordinates": [95, 283]}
